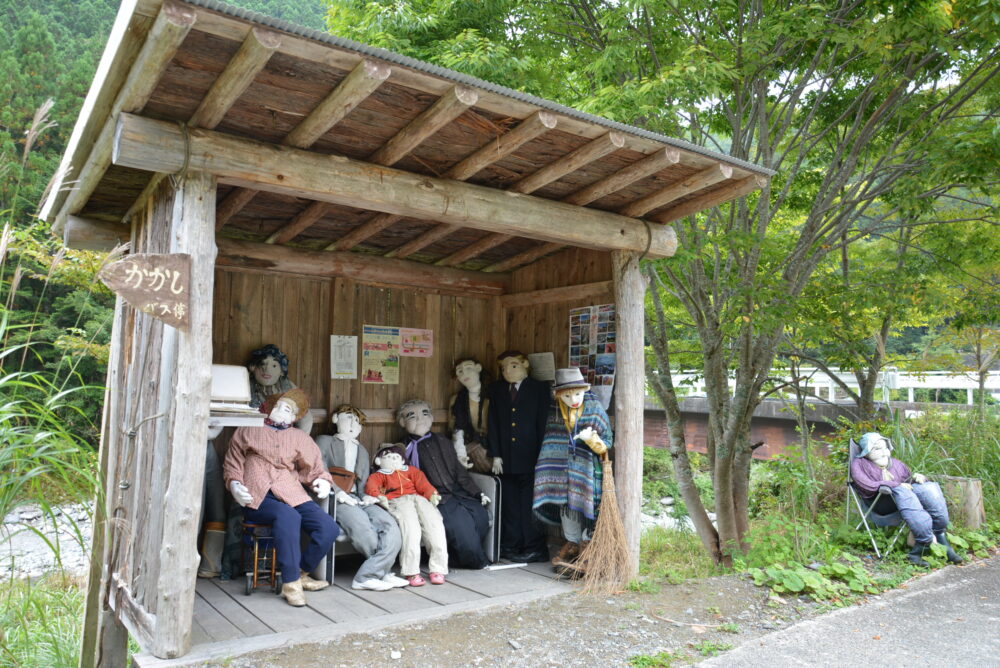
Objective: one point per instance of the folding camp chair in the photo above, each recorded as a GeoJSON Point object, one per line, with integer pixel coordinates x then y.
{"type": "Point", "coordinates": [866, 509]}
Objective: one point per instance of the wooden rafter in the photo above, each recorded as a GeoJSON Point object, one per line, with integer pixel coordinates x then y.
{"type": "Point", "coordinates": [348, 94]}
{"type": "Point", "coordinates": [152, 145]}
{"type": "Point", "coordinates": [496, 149]}
{"type": "Point", "coordinates": [525, 257]}
{"type": "Point", "coordinates": [302, 221]}
{"type": "Point", "coordinates": [169, 29]}
{"type": "Point", "coordinates": [474, 249]}
{"type": "Point", "coordinates": [695, 182]}
{"type": "Point", "coordinates": [368, 229]}
{"type": "Point", "coordinates": [584, 155]}
{"type": "Point", "coordinates": [713, 198]}
{"type": "Point", "coordinates": [254, 52]}
{"type": "Point", "coordinates": [652, 163]}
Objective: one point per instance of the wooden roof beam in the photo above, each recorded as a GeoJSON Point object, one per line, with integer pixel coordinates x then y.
{"type": "Point", "coordinates": [361, 267]}
{"type": "Point", "coordinates": [525, 257]}
{"type": "Point", "coordinates": [95, 235]}
{"type": "Point", "coordinates": [695, 182]}
{"type": "Point", "coordinates": [257, 48]}
{"type": "Point", "coordinates": [654, 162]}
{"type": "Point", "coordinates": [474, 249]}
{"type": "Point", "coordinates": [533, 126]}
{"type": "Point", "coordinates": [353, 89]}
{"type": "Point", "coordinates": [582, 156]}
{"type": "Point", "coordinates": [143, 143]}
{"type": "Point", "coordinates": [169, 29]}
{"type": "Point", "coordinates": [597, 291]}
{"type": "Point", "coordinates": [302, 221]}
{"type": "Point", "coordinates": [367, 229]}
{"type": "Point", "coordinates": [447, 108]}
{"type": "Point", "coordinates": [713, 198]}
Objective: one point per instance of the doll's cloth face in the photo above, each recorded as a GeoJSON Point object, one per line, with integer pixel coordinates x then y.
{"type": "Point", "coordinates": [267, 372]}
{"type": "Point", "coordinates": [468, 373]}
{"type": "Point", "coordinates": [514, 369]}
{"type": "Point", "coordinates": [284, 412]}
{"type": "Point", "coordinates": [572, 398]}
{"type": "Point", "coordinates": [879, 453]}
{"type": "Point", "coordinates": [348, 425]}
{"type": "Point", "coordinates": [390, 461]}
{"type": "Point", "coordinates": [417, 419]}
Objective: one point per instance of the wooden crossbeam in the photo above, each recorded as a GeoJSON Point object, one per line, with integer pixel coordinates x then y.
{"type": "Point", "coordinates": [302, 221]}
{"type": "Point", "coordinates": [695, 182]}
{"type": "Point", "coordinates": [598, 291]}
{"type": "Point", "coordinates": [361, 267]}
{"type": "Point", "coordinates": [144, 143]}
{"type": "Point", "coordinates": [96, 235]}
{"type": "Point", "coordinates": [584, 155]}
{"type": "Point", "coordinates": [713, 198]}
{"type": "Point", "coordinates": [525, 257]}
{"type": "Point", "coordinates": [169, 29]}
{"type": "Point", "coordinates": [474, 249]}
{"type": "Point", "coordinates": [652, 163]}
{"type": "Point", "coordinates": [348, 94]}
{"type": "Point", "coordinates": [447, 107]}
{"type": "Point", "coordinates": [256, 49]}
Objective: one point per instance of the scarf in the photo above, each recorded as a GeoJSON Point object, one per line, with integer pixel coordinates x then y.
{"type": "Point", "coordinates": [412, 452]}
{"type": "Point", "coordinates": [275, 425]}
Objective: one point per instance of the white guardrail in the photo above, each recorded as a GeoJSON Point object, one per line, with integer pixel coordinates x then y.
{"type": "Point", "coordinates": [823, 383]}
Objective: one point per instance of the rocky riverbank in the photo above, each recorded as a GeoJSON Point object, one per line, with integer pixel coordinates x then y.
{"type": "Point", "coordinates": [34, 541]}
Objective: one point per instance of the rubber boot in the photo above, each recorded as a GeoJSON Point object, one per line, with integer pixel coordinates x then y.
{"type": "Point", "coordinates": [212, 545]}
{"type": "Point", "coordinates": [953, 557]}
{"type": "Point", "coordinates": [916, 555]}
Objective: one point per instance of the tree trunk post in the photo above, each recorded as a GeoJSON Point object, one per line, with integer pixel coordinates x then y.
{"type": "Point", "coordinates": [630, 381]}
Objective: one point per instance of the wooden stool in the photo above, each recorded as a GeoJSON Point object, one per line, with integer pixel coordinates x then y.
{"type": "Point", "coordinates": [263, 569]}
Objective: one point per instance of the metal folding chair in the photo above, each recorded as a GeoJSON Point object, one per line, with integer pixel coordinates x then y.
{"type": "Point", "coordinates": [866, 509]}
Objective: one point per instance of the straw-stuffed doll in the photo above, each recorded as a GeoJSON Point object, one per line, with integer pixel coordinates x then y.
{"type": "Point", "coordinates": [268, 368]}
{"type": "Point", "coordinates": [409, 497]}
{"type": "Point", "coordinates": [467, 413]}
{"type": "Point", "coordinates": [568, 474]}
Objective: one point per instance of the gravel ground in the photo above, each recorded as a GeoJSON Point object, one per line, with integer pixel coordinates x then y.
{"type": "Point", "coordinates": [568, 630]}
{"type": "Point", "coordinates": [28, 534]}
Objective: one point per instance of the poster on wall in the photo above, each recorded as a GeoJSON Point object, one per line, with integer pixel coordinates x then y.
{"type": "Point", "coordinates": [417, 342]}
{"type": "Point", "coordinates": [593, 347]}
{"type": "Point", "coordinates": [380, 355]}
{"type": "Point", "coordinates": [343, 357]}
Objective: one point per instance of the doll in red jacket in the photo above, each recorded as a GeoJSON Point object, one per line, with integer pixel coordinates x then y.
{"type": "Point", "coordinates": [409, 497]}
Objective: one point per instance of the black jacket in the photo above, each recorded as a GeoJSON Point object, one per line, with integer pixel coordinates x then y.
{"type": "Point", "coordinates": [515, 430]}
{"type": "Point", "coordinates": [440, 464]}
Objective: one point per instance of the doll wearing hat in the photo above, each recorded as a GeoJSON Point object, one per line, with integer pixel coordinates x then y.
{"type": "Point", "coordinates": [569, 474]}
{"type": "Point", "coordinates": [409, 497]}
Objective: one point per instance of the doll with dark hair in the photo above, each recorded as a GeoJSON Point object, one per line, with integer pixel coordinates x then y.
{"type": "Point", "coordinates": [268, 368]}
{"type": "Point", "coordinates": [467, 413]}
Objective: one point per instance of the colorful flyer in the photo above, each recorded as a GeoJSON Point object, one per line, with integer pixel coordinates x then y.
{"type": "Point", "coordinates": [593, 347]}
{"type": "Point", "coordinates": [417, 342]}
{"type": "Point", "coordinates": [380, 355]}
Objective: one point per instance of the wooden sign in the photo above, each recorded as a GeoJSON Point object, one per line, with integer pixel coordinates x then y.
{"type": "Point", "coordinates": [159, 285]}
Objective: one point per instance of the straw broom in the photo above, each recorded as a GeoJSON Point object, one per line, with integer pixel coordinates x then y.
{"type": "Point", "coordinates": [605, 561]}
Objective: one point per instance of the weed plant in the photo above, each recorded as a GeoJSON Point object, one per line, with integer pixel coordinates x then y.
{"type": "Point", "coordinates": [40, 622]}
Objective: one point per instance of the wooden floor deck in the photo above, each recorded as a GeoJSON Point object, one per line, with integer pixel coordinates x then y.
{"type": "Point", "coordinates": [227, 622]}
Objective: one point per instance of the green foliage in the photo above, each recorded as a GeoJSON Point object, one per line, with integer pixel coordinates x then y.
{"type": "Point", "coordinates": [40, 622]}
{"type": "Point", "coordinates": [660, 660]}
{"type": "Point", "coordinates": [673, 556]}
{"type": "Point", "coordinates": [836, 581]}
{"type": "Point", "coordinates": [711, 647]}
{"type": "Point", "coordinates": [729, 627]}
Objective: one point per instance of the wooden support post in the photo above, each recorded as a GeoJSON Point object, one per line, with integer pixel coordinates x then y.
{"type": "Point", "coordinates": [630, 383]}
{"type": "Point", "coordinates": [192, 232]}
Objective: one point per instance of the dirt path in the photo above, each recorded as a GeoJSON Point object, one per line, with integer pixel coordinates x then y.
{"type": "Point", "coordinates": [570, 630]}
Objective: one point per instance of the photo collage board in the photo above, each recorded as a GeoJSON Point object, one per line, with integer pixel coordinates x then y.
{"type": "Point", "coordinates": [593, 347]}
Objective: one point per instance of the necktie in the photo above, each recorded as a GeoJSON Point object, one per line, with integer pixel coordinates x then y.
{"type": "Point", "coordinates": [513, 392]}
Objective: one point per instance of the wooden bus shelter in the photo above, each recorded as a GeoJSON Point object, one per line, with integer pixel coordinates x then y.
{"type": "Point", "coordinates": [319, 185]}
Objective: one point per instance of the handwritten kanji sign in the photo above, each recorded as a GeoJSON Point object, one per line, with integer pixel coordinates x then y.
{"type": "Point", "coordinates": [159, 285]}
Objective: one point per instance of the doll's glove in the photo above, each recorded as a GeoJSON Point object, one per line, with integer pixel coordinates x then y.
{"type": "Point", "coordinates": [321, 487]}
{"type": "Point", "coordinates": [240, 493]}
{"type": "Point", "coordinates": [593, 441]}
{"type": "Point", "coordinates": [368, 500]}
{"type": "Point", "coordinates": [919, 478]}
{"type": "Point", "coordinates": [906, 485]}
{"type": "Point", "coordinates": [383, 501]}
{"type": "Point", "coordinates": [435, 498]}
{"type": "Point", "coordinates": [486, 500]}
{"type": "Point", "coordinates": [346, 499]}
{"type": "Point", "coordinates": [497, 466]}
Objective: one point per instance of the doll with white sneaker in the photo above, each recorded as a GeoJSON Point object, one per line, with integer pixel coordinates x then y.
{"type": "Point", "coordinates": [409, 497]}
{"type": "Point", "coordinates": [371, 529]}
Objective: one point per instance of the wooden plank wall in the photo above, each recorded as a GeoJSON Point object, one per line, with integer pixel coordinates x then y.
{"type": "Point", "coordinates": [545, 327]}
{"type": "Point", "coordinates": [309, 309]}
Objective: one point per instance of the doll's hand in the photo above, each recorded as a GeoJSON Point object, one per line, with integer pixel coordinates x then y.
{"type": "Point", "coordinates": [919, 478]}
{"type": "Point", "coordinates": [497, 466]}
{"type": "Point", "coordinates": [368, 500]}
{"type": "Point", "coordinates": [586, 434]}
{"type": "Point", "coordinates": [240, 493]}
{"type": "Point", "coordinates": [346, 499]}
{"type": "Point", "coordinates": [383, 501]}
{"type": "Point", "coordinates": [321, 487]}
{"type": "Point", "coordinates": [593, 441]}
{"type": "Point", "coordinates": [906, 485]}
{"type": "Point", "coordinates": [458, 438]}
{"type": "Point", "coordinates": [486, 500]}
{"type": "Point", "coordinates": [435, 498]}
